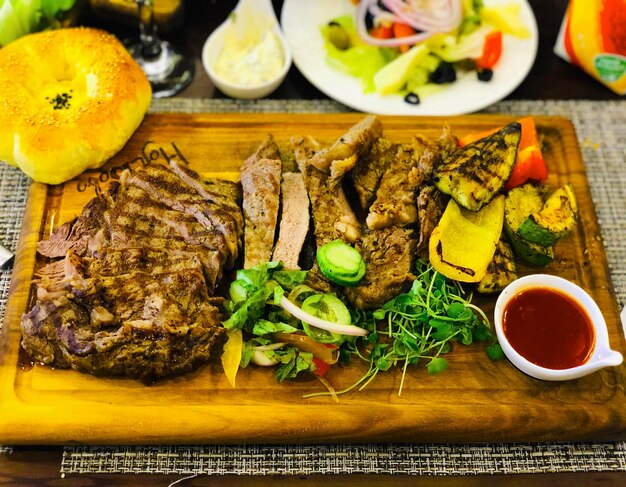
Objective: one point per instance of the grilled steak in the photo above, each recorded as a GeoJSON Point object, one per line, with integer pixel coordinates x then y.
{"type": "Point", "coordinates": [294, 220]}
{"type": "Point", "coordinates": [80, 233]}
{"type": "Point", "coordinates": [145, 326]}
{"type": "Point", "coordinates": [370, 168]}
{"type": "Point", "coordinates": [395, 197]}
{"type": "Point", "coordinates": [388, 254]}
{"type": "Point", "coordinates": [340, 157]}
{"type": "Point", "coordinates": [133, 294]}
{"type": "Point", "coordinates": [260, 180]}
{"type": "Point", "coordinates": [165, 187]}
{"type": "Point", "coordinates": [431, 204]}
{"type": "Point", "coordinates": [333, 216]}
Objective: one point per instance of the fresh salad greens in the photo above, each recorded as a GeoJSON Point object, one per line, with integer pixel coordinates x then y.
{"type": "Point", "coordinates": [21, 17]}
{"type": "Point", "coordinates": [278, 314]}
{"type": "Point", "coordinates": [418, 325]}
{"type": "Point", "coordinates": [394, 47]}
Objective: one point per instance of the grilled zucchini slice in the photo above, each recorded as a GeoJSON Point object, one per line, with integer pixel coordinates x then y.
{"type": "Point", "coordinates": [519, 204]}
{"type": "Point", "coordinates": [532, 253]}
{"type": "Point", "coordinates": [556, 218]}
{"type": "Point", "coordinates": [501, 271]}
{"type": "Point", "coordinates": [472, 175]}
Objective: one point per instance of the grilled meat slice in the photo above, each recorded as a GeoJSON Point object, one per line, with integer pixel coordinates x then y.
{"type": "Point", "coordinates": [340, 157]}
{"type": "Point", "coordinates": [260, 180]}
{"type": "Point", "coordinates": [395, 198]}
{"type": "Point", "coordinates": [370, 168]}
{"type": "Point", "coordinates": [333, 216]}
{"type": "Point", "coordinates": [388, 254]}
{"type": "Point", "coordinates": [268, 149]}
{"type": "Point", "coordinates": [431, 204]}
{"type": "Point", "coordinates": [81, 233]}
{"type": "Point", "coordinates": [226, 194]}
{"type": "Point", "coordinates": [436, 151]}
{"type": "Point", "coordinates": [294, 220]}
{"type": "Point", "coordinates": [165, 187]}
{"type": "Point", "coordinates": [134, 325]}
{"type": "Point", "coordinates": [132, 296]}
{"type": "Point", "coordinates": [474, 174]}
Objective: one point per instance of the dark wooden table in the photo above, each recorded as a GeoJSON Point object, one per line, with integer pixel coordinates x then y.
{"type": "Point", "coordinates": [550, 78]}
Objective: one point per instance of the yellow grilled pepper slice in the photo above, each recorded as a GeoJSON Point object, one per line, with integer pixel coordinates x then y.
{"type": "Point", "coordinates": [463, 243]}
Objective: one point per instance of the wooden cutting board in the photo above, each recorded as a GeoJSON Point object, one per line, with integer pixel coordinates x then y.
{"type": "Point", "coordinates": [475, 400]}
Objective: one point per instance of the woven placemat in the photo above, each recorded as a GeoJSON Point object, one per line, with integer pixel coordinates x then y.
{"type": "Point", "coordinates": [601, 130]}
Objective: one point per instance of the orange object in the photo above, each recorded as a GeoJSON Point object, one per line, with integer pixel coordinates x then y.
{"type": "Point", "coordinates": [382, 32]}
{"type": "Point", "coordinates": [593, 37]}
{"type": "Point", "coordinates": [529, 163]}
{"type": "Point", "coordinates": [402, 30]}
{"type": "Point", "coordinates": [492, 51]}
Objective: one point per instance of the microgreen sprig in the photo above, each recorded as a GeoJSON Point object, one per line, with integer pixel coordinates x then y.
{"type": "Point", "coordinates": [419, 324]}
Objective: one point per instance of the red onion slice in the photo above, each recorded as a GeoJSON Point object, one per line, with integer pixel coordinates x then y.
{"type": "Point", "coordinates": [318, 322]}
{"type": "Point", "coordinates": [363, 34]}
{"type": "Point", "coordinates": [446, 18]}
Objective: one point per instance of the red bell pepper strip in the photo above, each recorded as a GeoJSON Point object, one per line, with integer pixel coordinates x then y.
{"type": "Point", "coordinates": [321, 367]}
{"type": "Point", "coordinates": [529, 163]}
{"type": "Point", "coordinates": [402, 30]}
{"type": "Point", "coordinates": [382, 32]}
{"type": "Point", "coordinates": [492, 50]}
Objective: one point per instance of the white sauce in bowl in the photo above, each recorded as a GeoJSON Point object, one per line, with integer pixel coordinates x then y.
{"type": "Point", "coordinates": [248, 64]}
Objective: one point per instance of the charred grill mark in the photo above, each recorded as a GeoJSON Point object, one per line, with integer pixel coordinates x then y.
{"type": "Point", "coordinates": [465, 270]}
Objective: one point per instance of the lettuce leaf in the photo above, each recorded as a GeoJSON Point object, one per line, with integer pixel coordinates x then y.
{"type": "Point", "coordinates": [21, 17]}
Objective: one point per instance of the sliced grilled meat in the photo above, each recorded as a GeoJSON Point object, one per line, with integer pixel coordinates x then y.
{"type": "Point", "coordinates": [340, 157]}
{"type": "Point", "coordinates": [163, 186]}
{"type": "Point", "coordinates": [81, 233]}
{"type": "Point", "coordinates": [388, 254]}
{"type": "Point", "coordinates": [370, 168]}
{"type": "Point", "coordinates": [226, 194]}
{"type": "Point", "coordinates": [133, 294]}
{"type": "Point", "coordinates": [294, 220]}
{"type": "Point", "coordinates": [395, 198]}
{"type": "Point", "coordinates": [260, 180]}
{"type": "Point", "coordinates": [431, 204]}
{"type": "Point", "coordinates": [137, 325]}
{"type": "Point", "coordinates": [333, 216]}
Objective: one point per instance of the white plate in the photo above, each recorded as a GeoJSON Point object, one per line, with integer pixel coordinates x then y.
{"type": "Point", "coordinates": [301, 21]}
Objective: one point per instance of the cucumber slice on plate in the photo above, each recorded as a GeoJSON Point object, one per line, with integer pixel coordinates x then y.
{"type": "Point", "coordinates": [341, 263]}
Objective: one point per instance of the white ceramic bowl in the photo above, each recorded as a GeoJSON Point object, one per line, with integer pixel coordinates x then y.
{"type": "Point", "coordinates": [602, 355]}
{"type": "Point", "coordinates": [211, 51]}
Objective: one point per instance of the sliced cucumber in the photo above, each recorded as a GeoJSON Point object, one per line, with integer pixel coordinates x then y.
{"type": "Point", "coordinates": [341, 263]}
{"type": "Point", "coordinates": [327, 307]}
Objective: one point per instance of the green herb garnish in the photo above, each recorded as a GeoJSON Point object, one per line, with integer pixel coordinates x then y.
{"type": "Point", "coordinates": [419, 325]}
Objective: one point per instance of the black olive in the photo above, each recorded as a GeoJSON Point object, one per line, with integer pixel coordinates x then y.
{"type": "Point", "coordinates": [485, 74]}
{"type": "Point", "coordinates": [412, 99]}
{"type": "Point", "coordinates": [444, 73]}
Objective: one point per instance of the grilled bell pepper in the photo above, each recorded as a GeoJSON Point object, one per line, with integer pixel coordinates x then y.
{"type": "Point", "coordinates": [464, 242]}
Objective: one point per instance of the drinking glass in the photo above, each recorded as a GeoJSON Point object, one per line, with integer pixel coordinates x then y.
{"type": "Point", "coordinates": [167, 69]}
